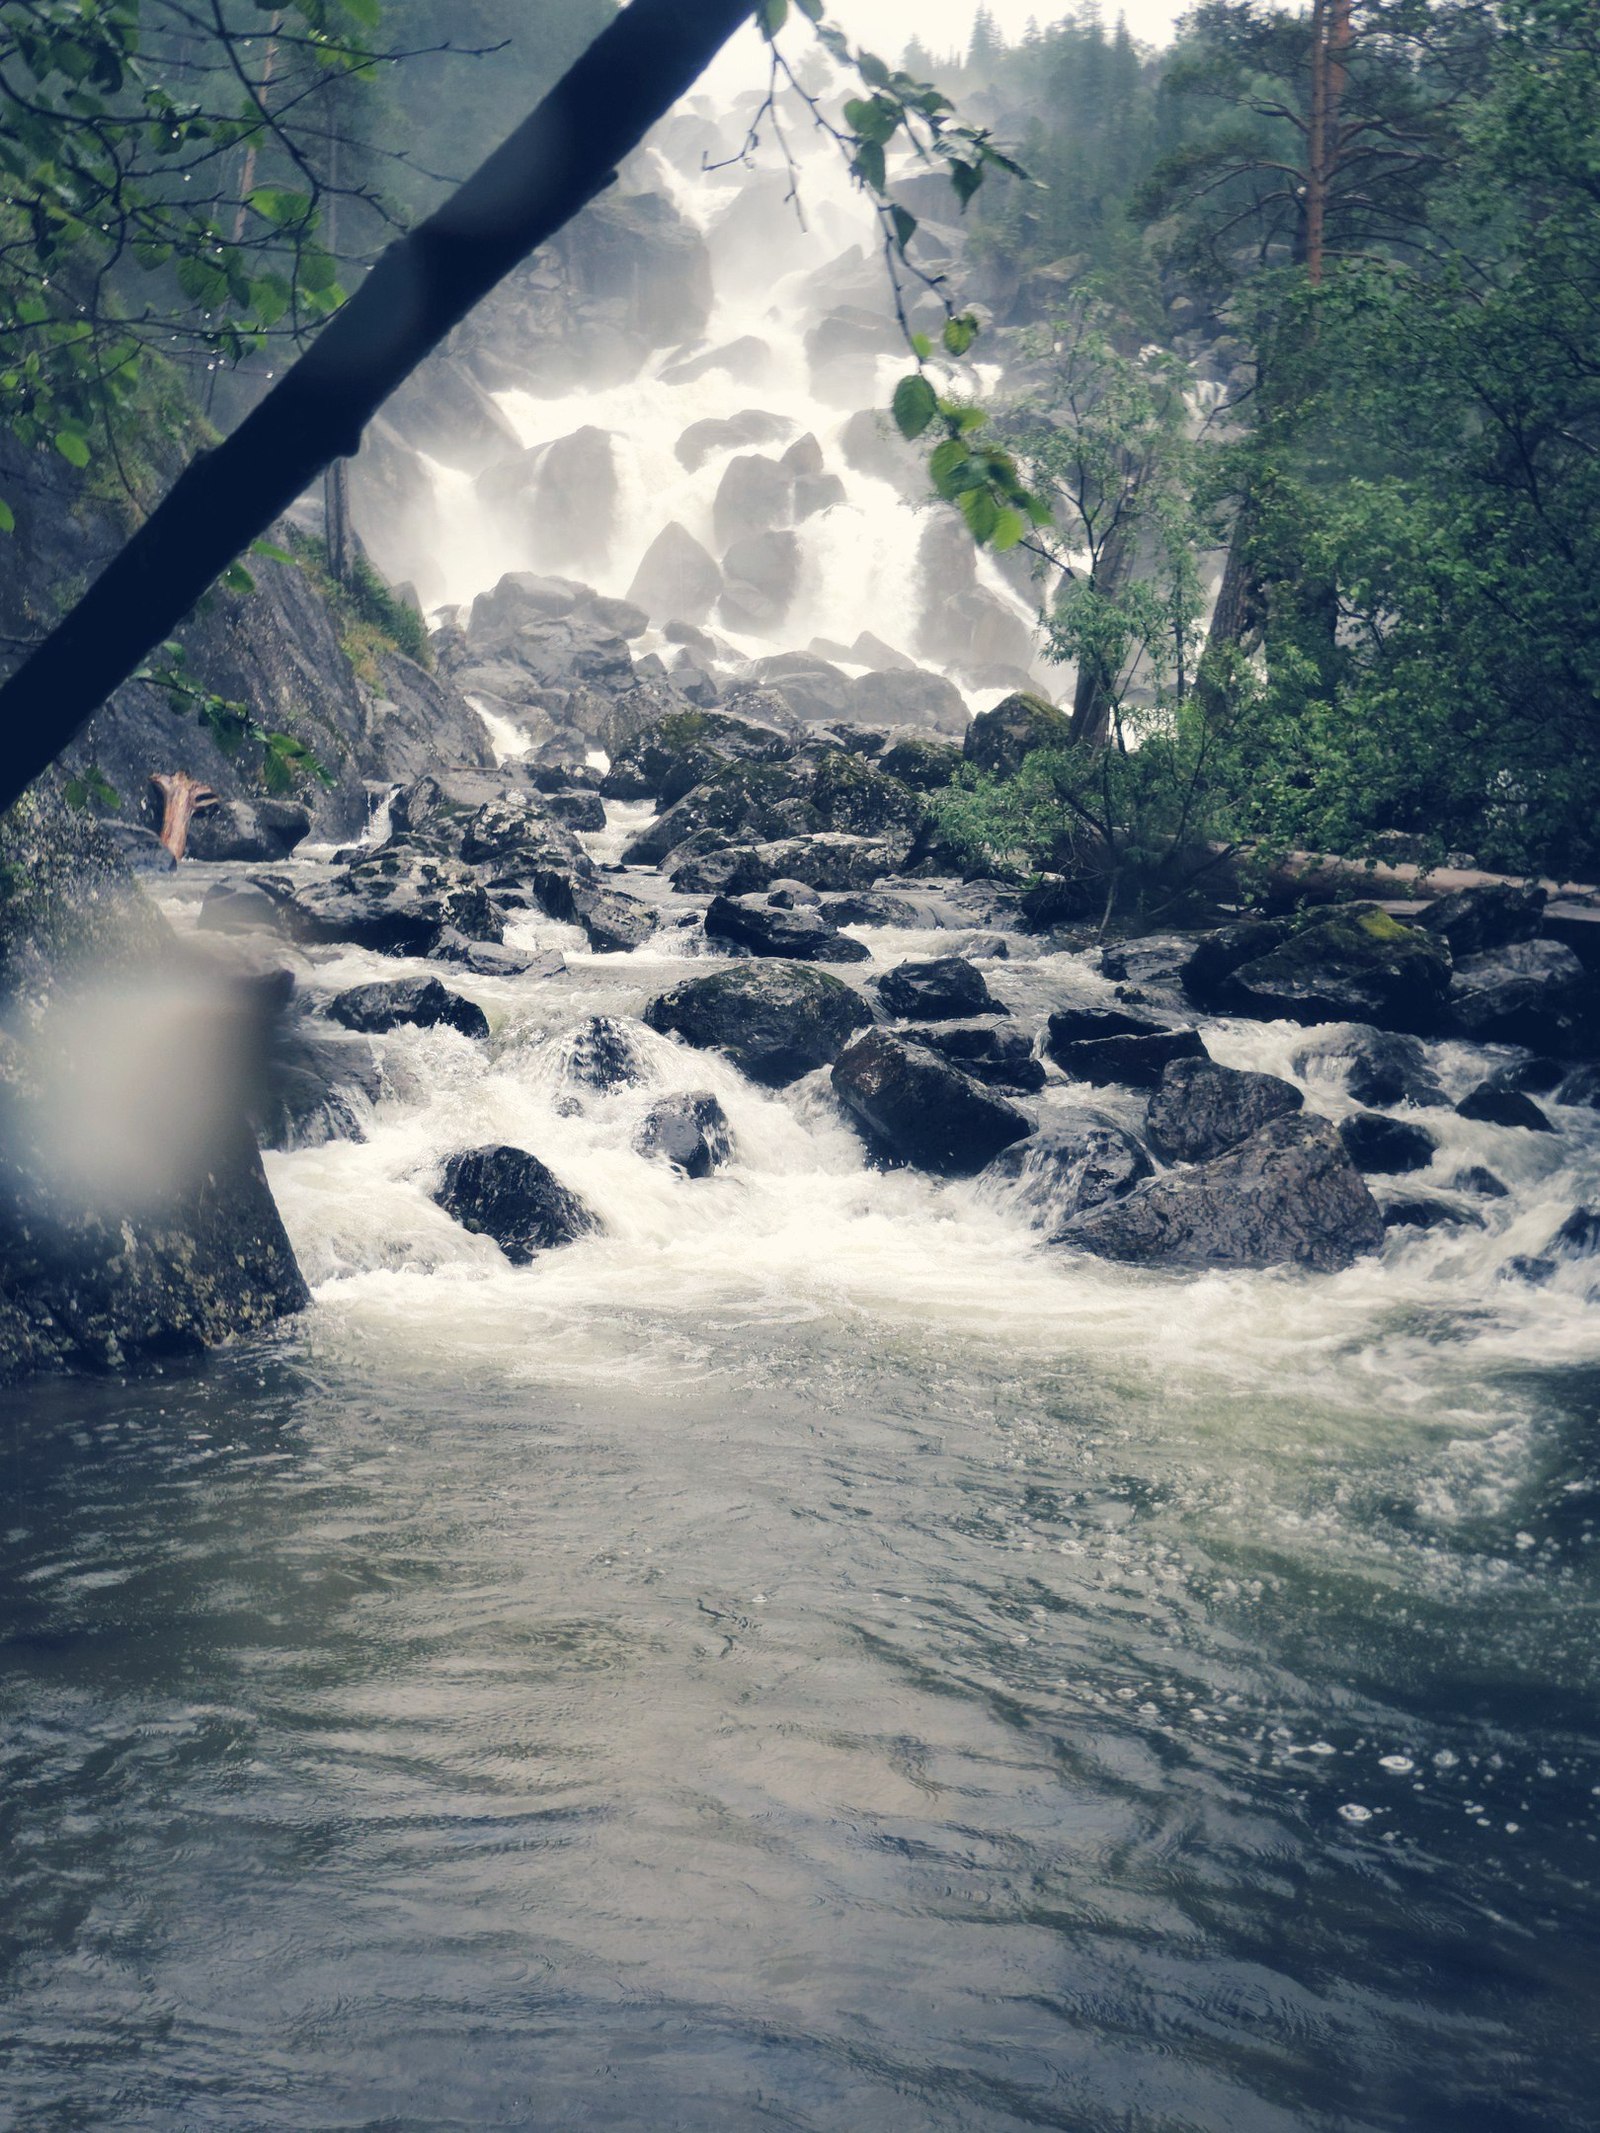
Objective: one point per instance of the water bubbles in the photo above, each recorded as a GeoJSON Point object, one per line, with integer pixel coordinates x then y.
{"type": "Point", "coordinates": [1352, 1811]}
{"type": "Point", "coordinates": [1446, 1759]}
{"type": "Point", "coordinates": [1322, 1747]}
{"type": "Point", "coordinates": [1400, 1765]}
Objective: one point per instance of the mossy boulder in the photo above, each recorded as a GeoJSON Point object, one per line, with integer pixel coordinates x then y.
{"type": "Point", "coordinates": [1019, 725]}
{"type": "Point", "coordinates": [1353, 963]}
{"type": "Point", "coordinates": [680, 751]}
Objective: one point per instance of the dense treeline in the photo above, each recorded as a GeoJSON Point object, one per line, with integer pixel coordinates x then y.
{"type": "Point", "coordinates": [1370, 233]}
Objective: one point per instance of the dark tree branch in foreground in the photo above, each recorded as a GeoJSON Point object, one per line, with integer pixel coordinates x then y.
{"type": "Point", "coordinates": [558, 159]}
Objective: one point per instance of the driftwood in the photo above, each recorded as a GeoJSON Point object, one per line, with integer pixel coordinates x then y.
{"type": "Point", "coordinates": [1321, 877]}
{"type": "Point", "coordinates": [182, 798]}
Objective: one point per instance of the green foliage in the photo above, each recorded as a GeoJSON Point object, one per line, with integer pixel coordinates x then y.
{"type": "Point", "coordinates": [91, 789]}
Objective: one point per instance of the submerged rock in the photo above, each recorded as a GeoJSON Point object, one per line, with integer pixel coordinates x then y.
{"type": "Point", "coordinates": [1381, 1066]}
{"type": "Point", "coordinates": [1385, 1147]}
{"type": "Point", "coordinates": [1288, 1196]}
{"type": "Point", "coordinates": [1103, 1045]}
{"type": "Point", "coordinates": [1526, 993]}
{"type": "Point", "coordinates": [603, 1054]}
{"type": "Point", "coordinates": [312, 1089]}
{"type": "Point", "coordinates": [765, 929]}
{"type": "Point", "coordinates": [775, 1021]}
{"type": "Point", "coordinates": [397, 902]}
{"type": "Point", "coordinates": [690, 1132]}
{"type": "Point", "coordinates": [1424, 1210]}
{"type": "Point", "coordinates": [945, 988]}
{"type": "Point", "coordinates": [509, 1195]}
{"type": "Point", "coordinates": [1201, 1108]}
{"type": "Point", "coordinates": [916, 1108]}
{"type": "Point", "coordinates": [1070, 1165]}
{"type": "Point", "coordinates": [422, 1003]}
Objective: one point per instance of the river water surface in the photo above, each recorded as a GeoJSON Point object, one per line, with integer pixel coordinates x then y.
{"type": "Point", "coordinates": [812, 1656]}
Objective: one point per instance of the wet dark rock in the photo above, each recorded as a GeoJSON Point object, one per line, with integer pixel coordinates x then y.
{"type": "Point", "coordinates": [1475, 921]}
{"type": "Point", "coordinates": [490, 959]}
{"type": "Point", "coordinates": [1157, 959]}
{"type": "Point", "coordinates": [986, 948]}
{"type": "Point", "coordinates": [1354, 964]}
{"type": "Point", "coordinates": [549, 631]}
{"type": "Point", "coordinates": [397, 902]}
{"type": "Point", "coordinates": [775, 1021]}
{"type": "Point", "coordinates": [1578, 1237]}
{"type": "Point", "coordinates": [1385, 1147]}
{"type": "Point", "coordinates": [602, 1054]}
{"type": "Point", "coordinates": [249, 830]}
{"type": "Point", "coordinates": [1476, 1179]}
{"type": "Point", "coordinates": [689, 1132]}
{"type": "Point", "coordinates": [509, 1195]}
{"type": "Point", "coordinates": [1426, 1211]}
{"type": "Point", "coordinates": [576, 810]}
{"type": "Point", "coordinates": [828, 861]}
{"type": "Point", "coordinates": [916, 1108]}
{"type": "Point", "coordinates": [1503, 1107]}
{"type": "Point", "coordinates": [1288, 1196]}
{"type": "Point", "coordinates": [420, 1003]}
{"type": "Point", "coordinates": [1526, 993]}
{"type": "Point", "coordinates": [1052, 900]}
{"type": "Point", "coordinates": [854, 797]}
{"type": "Point", "coordinates": [946, 988]}
{"type": "Point", "coordinates": [1073, 1163]}
{"type": "Point", "coordinates": [613, 922]}
{"type": "Point", "coordinates": [1535, 1076]}
{"type": "Point", "coordinates": [998, 740]}
{"type": "Point", "coordinates": [814, 493]}
{"type": "Point", "coordinates": [744, 803]}
{"type": "Point", "coordinates": [1581, 1087]}
{"type": "Point", "coordinates": [1103, 1045]}
{"type": "Point", "coordinates": [793, 896]}
{"type": "Point", "coordinates": [1200, 1109]}
{"type": "Point", "coordinates": [881, 907]}
{"type": "Point", "coordinates": [679, 752]}
{"type": "Point", "coordinates": [1215, 956]}
{"type": "Point", "coordinates": [314, 1088]}
{"type": "Point", "coordinates": [1381, 1066]}
{"type": "Point", "coordinates": [763, 930]}
{"type": "Point", "coordinates": [998, 1056]}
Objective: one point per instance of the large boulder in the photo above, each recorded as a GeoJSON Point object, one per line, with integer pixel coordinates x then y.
{"type": "Point", "coordinates": [1528, 992]}
{"type": "Point", "coordinates": [853, 795]}
{"type": "Point", "coordinates": [723, 433]}
{"type": "Point", "coordinates": [678, 752]}
{"type": "Point", "coordinates": [677, 580]}
{"type": "Point", "coordinates": [902, 696]}
{"type": "Point", "coordinates": [560, 496]}
{"type": "Point", "coordinates": [998, 740]}
{"type": "Point", "coordinates": [1349, 964]}
{"type": "Point", "coordinates": [1473, 921]}
{"type": "Point", "coordinates": [825, 861]}
{"type": "Point", "coordinates": [418, 1003]}
{"type": "Point", "coordinates": [914, 1107]}
{"type": "Point", "coordinates": [1074, 1162]}
{"type": "Point", "coordinates": [136, 1223]}
{"type": "Point", "coordinates": [754, 494]}
{"type": "Point", "coordinates": [920, 762]}
{"type": "Point", "coordinates": [613, 921]}
{"type": "Point", "coordinates": [248, 830]}
{"type": "Point", "coordinates": [1287, 1196]}
{"type": "Point", "coordinates": [397, 902]}
{"type": "Point", "coordinates": [945, 988]}
{"type": "Point", "coordinates": [745, 802]}
{"type": "Point", "coordinates": [768, 929]}
{"type": "Point", "coordinates": [761, 574]}
{"type": "Point", "coordinates": [1201, 1109]}
{"type": "Point", "coordinates": [813, 688]}
{"type": "Point", "coordinates": [1490, 1106]}
{"type": "Point", "coordinates": [775, 1021]}
{"type": "Point", "coordinates": [691, 1132]}
{"type": "Point", "coordinates": [509, 1195]}
{"type": "Point", "coordinates": [1105, 1046]}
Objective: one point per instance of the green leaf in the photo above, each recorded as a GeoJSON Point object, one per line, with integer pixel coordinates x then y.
{"type": "Point", "coordinates": [981, 513]}
{"type": "Point", "coordinates": [872, 69]}
{"type": "Point", "coordinates": [922, 345]}
{"type": "Point", "coordinates": [811, 9]}
{"type": "Point", "coordinates": [772, 15]}
{"type": "Point", "coordinates": [905, 226]}
{"type": "Point", "coordinates": [8, 518]}
{"type": "Point", "coordinates": [73, 447]}
{"type": "Point", "coordinates": [869, 166]}
{"type": "Point", "coordinates": [1009, 527]}
{"type": "Point", "coordinates": [966, 178]}
{"type": "Point", "coordinates": [872, 119]}
{"type": "Point", "coordinates": [236, 579]}
{"type": "Point", "coordinates": [279, 206]}
{"type": "Point", "coordinates": [914, 405]}
{"type": "Point", "coordinates": [272, 554]}
{"type": "Point", "coordinates": [949, 467]}
{"type": "Point", "coordinates": [960, 333]}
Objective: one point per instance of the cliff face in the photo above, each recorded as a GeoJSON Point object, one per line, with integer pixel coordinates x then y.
{"type": "Point", "coordinates": [292, 654]}
{"type": "Point", "coordinates": [135, 1219]}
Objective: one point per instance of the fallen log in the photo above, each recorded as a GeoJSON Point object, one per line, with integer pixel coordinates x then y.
{"type": "Point", "coordinates": [182, 798]}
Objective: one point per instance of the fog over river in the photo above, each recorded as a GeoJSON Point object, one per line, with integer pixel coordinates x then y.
{"type": "Point", "coordinates": [810, 1654]}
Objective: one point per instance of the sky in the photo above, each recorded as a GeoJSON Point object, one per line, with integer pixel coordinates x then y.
{"type": "Point", "coordinates": [944, 25]}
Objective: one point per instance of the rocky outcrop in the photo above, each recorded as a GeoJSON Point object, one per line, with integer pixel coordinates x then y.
{"type": "Point", "coordinates": [946, 988]}
{"type": "Point", "coordinates": [509, 1195]}
{"type": "Point", "coordinates": [417, 1003]}
{"type": "Point", "coordinates": [775, 1021]}
{"type": "Point", "coordinates": [679, 752]}
{"type": "Point", "coordinates": [998, 740]}
{"type": "Point", "coordinates": [397, 902]}
{"type": "Point", "coordinates": [1287, 1196]}
{"type": "Point", "coordinates": [135, 1220]}
{"type": "Point", "coordinates": [1349, 964]}
{"type": "Point", "coordinates": [1104, 1046]}
{"type": "Point", "coordinates": [763, 928]}
{"type": "Point", "coordinates": [915, 1108]}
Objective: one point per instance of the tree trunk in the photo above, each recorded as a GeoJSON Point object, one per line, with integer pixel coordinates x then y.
{"type": "Point", "coordinates": [182, 798]}
{"type": "Point", "coordinates": [564, 153]}
{"type": "Point", "coordinates": [1091, 696]}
